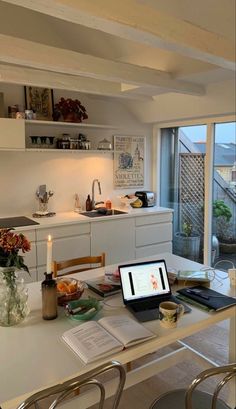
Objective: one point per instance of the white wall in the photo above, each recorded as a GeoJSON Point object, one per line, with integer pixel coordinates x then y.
{"type": "Point", "coordinates": [220, 99]}
{"type": "Point", "coordinates": [66, 173]}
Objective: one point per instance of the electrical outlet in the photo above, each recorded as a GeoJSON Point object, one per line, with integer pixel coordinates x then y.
{"type": "Point", "coordinates": [232, 276]}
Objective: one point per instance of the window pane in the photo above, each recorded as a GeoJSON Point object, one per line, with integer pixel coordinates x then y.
{"type": "Point", "coordinates": [182, 186]}
{"type": "Point", "coordinates": [224, 193]}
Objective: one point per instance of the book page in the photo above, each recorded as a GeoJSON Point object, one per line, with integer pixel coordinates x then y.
{"type": "Point", "coordinates": [125, 329]}
{"type": "Point", "coordinates": [91, 341]}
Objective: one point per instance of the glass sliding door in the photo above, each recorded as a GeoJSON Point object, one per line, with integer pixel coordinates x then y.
{"type": "Point", "coordinates": [182, 186]}
{"type": "Point", "coordinates": [224, 194]}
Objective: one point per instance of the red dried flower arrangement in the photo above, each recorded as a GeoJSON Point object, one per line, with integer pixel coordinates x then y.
{"type": "Point", "coordinates": [10, 244]}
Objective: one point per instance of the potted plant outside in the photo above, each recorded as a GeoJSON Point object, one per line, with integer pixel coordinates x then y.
{"type": "Point", "coordinates": [226, 235]}
{"type": "Point", "coordinates": [70, 110]}
{"type": "Point", "coordinates": [187, 243]}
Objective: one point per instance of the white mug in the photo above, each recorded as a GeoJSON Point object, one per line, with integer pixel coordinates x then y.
{"type": "Point", "coordinates": [170, 313]}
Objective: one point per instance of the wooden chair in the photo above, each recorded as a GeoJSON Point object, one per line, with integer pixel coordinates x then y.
{"type": "Point", "coordinates": [190, 398]}
{"type": "Point", "coordinates": [87, 263]}
{"type": "Point", "coordinates": [61, 392]}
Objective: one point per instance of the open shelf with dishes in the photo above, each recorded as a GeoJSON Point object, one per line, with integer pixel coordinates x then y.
{"type": "Point", "coordinates": [53, 136]}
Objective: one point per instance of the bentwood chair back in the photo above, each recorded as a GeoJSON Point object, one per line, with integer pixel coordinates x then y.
{"type": "Point", "coordinates": [61, 392]}
{"type": "Point", "coordinates": [66, 267]}
{"type": "Point", "coordinates": [191, 398]}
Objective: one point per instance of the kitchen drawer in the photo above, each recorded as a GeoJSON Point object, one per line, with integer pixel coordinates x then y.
{"type": "Point", "coordinates": [153, 234]}
{"type": "Point", "coordinates": [153, 219]}
{"type": "Point", "coordinates": [64, 248]}
{"type": "Point", "coordinates": [63, 231]}
{"type": "Point", "coordinates": [154, 250]}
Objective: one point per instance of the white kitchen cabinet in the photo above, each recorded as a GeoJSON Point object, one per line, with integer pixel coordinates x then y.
{"type": "Point", "coordinates": [116, 238]}
{"type": "Point", "coordinates": [12, 134]}
{"type": "Point", "coordinates": [68, 242]}
{"type": "Point", "coordinates": [153, 234]}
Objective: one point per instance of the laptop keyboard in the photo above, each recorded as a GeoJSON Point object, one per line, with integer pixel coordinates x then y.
{"type": "Point", "coordinates": [143, 306]}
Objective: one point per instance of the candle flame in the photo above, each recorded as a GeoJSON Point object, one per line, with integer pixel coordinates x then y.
{"type": "Point", "coordinates": [49, 237]}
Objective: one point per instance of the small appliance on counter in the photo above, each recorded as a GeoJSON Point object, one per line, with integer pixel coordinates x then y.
{"type": "Point", "coordinates": [43, 198]}
{"type": "Point", "coordinates": [147, 198]}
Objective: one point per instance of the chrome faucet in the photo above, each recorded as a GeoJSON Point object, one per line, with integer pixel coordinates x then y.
{"type": "Point", "coordinates": [100, 192]}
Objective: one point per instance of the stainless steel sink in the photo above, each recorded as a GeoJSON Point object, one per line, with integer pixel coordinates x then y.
{"type": "Point", "coordinates": [95, 213]}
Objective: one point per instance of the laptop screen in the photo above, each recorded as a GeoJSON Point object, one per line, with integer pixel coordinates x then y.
{"type": "Point", "coordinates": [144, 280]}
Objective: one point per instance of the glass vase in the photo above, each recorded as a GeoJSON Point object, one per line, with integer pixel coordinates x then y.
{"type": "Point", "coordinates": [13, 297]}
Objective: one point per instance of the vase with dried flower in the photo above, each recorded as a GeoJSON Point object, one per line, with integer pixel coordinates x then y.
{"type": "Point", "coordinates": [13, 292]}
{"type": "Point", "coordinates": [70, 110]}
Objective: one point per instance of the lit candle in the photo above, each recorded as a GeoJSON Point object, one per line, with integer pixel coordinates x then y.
{"type": "Point", "coordinates": [49, 254]}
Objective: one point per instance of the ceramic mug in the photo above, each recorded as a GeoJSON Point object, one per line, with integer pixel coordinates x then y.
{"type": "Point", "coordinates": [170, 313]}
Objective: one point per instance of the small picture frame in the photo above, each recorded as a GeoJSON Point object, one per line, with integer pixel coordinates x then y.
{"type": "Point", "coordinates": [39, 100]}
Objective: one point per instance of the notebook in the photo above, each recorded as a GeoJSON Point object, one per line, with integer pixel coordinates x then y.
{"type": "Point", "coordinates": [144, 286]}
{"type": "Point", "coordinates": [207, 297]}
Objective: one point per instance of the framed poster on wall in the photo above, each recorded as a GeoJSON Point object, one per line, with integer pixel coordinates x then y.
{"type": "Point", "coordinates": [129, 157]}
{"type": "Point", "coordinates": [40, 100]}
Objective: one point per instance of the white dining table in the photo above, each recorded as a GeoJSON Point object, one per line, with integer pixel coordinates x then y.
{"type": "Point", "coordinates": [33, 355]}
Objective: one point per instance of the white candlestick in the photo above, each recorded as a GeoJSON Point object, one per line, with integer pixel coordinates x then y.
{"type": "Point", "coordinates": [49, 254]}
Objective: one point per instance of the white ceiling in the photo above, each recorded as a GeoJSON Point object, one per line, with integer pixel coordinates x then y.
{"type": "Point", "coordinates": [195, 47]}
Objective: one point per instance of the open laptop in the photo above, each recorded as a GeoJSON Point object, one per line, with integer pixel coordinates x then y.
{"type": "Point", "coordinates": [144, 286]}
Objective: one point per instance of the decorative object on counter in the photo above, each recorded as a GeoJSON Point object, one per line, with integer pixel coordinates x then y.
{"type": "Point", "coordinates": [13, 293]}
{"type": "Point", "coordinates": [88, 204]}
{"type": "Point", "coordinates": [43, 197]}
{"type": "Point", "coordinates": [39, 100]}
{"type": "Point", "coordinates": [70, 110]}
{"type": "Point", "coordinates": [49, 297]}
{"type": "Point", "coordinates": [129, 161]}
{"type": "Point", "coordinates": [108, 204]}
{"type": "Point", "coordinates": [77, 207]}
{"type": "Point", "coordinates": [104, 145]}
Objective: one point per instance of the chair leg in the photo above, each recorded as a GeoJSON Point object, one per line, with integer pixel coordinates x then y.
{"type": "Point", "coordinates": [129, 366]}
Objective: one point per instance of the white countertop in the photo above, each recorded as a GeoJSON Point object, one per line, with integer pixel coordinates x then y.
{"type": "Point", "coordinates": [71, 217]}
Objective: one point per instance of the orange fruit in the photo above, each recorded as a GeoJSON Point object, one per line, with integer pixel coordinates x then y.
{"type": "Point", "coordinates": [62, 287]}
{"type": "Point", "coordinates": [72, 287]}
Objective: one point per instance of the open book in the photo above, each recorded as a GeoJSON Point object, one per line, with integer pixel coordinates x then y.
{"type": "Point", "coordinates": [93, 340]}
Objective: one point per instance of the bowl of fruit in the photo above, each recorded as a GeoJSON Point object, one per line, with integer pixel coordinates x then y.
{"type": "Point", "coordinates": [127, 200]}
{"type": "Point", "coordinates": [69, 289]}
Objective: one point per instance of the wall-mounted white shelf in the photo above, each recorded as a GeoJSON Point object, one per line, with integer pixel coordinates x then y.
{"type": "Point", "coordinates": [70, 124]}
{"type": "Point", "coordinates": [86, 151]}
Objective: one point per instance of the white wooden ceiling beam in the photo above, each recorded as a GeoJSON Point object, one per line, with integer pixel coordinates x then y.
{"type": "Point", "coordinates": [134, 20]}
{"type": "Point", "coordinates": [29, 54]}
{"type": "Point", "coordinates": [12, 74]}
